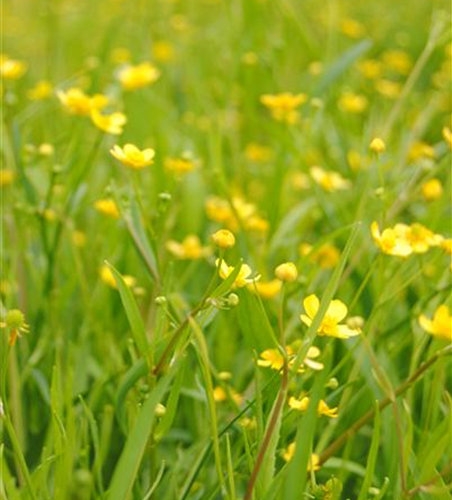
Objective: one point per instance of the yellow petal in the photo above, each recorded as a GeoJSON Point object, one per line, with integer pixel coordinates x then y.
{"type": "Point", "coordinates": [311, 306]}
{"type": "Point", "coordinates": [337, 310]}
{"type": "Point", "coordinates": [426, 323]}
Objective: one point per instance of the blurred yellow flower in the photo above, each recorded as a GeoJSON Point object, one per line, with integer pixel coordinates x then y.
{"type": "Point", "coordinates": [287, 272]}
{"type": "Point", "coordinates": [432, 189]}
{"type": "Point", "coordinates": [107, 277]}
{"type": "Point", "coordinates": [326, 256]}
{"type": "Point", "coordinates": [42, 90]}
{"type": "Point", "coordinates": [314, 460]}
{"type": "Point", "coordinates": [398, 61]}
{"type": "Point", "coordinates": [330, 181]}
{"type": "Point", "coordinates": [107, 207]}
{"type": "Point", "coordinates": [266, 289]}
{"type": "Point", "coordinates": [331, 323]}
{"type": "Point", "coordinates": [258, 153]}
{"type": "Point", "coordinates": [220, 395]}
{"type": "Point", "coordinates": [163, 51]}
{"type": "Point", "coordinates": [6, 177]}
{"type": "Point", "coordinates": [79, 238]}
{"type": "Point", "coordinates": [447, 136]}
{"type": "Point", "coordinates": [139, 76]}
{"type": "Point", "coordinates": [181, 166]}
{"type": "Point", "coordinates": [190, 248]}
{"type": "Point", "coordinates": [391, 241]}
{"type": "Point", "coordinates": [353, 103]}
{"type": "Point", "coordinates": [418, 236]}
{"type": "Point", "coordinates": [441, 324]}
{"type": "Point", "coordinates": [133, 157]}
{"type": "Point", "coordinates": [11, 69]}
{"type": "Point", "coordinates": [15, 322]}
{"type": "Point", "coordinates": [388, 88]}
{"type": "Point", "coordinates": [223, 239]}
{"type": "Point", "coordinates": [322, 407]}
{"type": "Point", "coordinates": [79, 103]}
{"type": "Point", "coordinates": [283, 107]}
{"type": "Point", "coordinates": [120, 55]}
{"type": "Point", "coordinates": [352, 28]}
{"type": "Point", "coordinates": [112, 123]}
{"type": "Point", "coordinates": [243, 277]}
{"type": "Point", "coordinates": [370, 68]}
{"type": "Point", "coordinates": [377, 145]}
{"type": "Point", "coordinates": [420, 149]}
{"type": "Point", "coordinates": [274, 359]}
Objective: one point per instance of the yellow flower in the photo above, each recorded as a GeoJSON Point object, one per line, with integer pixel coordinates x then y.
{"type": "Point", "coordinates": [447, 136]}
{"type": "Point", "coordinates": [79, 238]}
{"type": "Point", "coordinates": [287, 272]}
{"type": "Point", "coordinates": [266, 289]}
{"type": "Point", "coordinates": [11, 69]}
{"type": "Point", "coordinates": [370, 68]}
{"type": "Point", "coordinates": [220, 395]}
{"type": "Point", "coordinates": [432, 189]}
{"type": "Point", "coordinates": [15, 322]}
{"type": "Point", "coordinates": [190, 248]}
{"type": "Point", "coordinates": [112, 123]}
{"type": "Point", "coordinates": [258, 153]}
{"type": "Point", "coordinates": [223, 239]}
{"type": "Point", "coordinates": [133, 157]}
{"type": "Point", "coordinates": [42, 90]}
{"type": "Point", "coordinates": [331, 323]}
{"type": "Point", "coordinates": [377, 145]}
{"type": "Point", "coordinates": [108, 278]}
{"type": "Point", "coordinates": [182, 165]}
{"type": "Point", "coordinates": [330, 181]}
{"type": "Point", "coordinates": [352, 28]}
{"type": "Point", "coordinates": [418, 236]}
{"type": "Point", "coordinates": [446, 245]}
{"type": "Point", "coordinates": [163, 51]}
{"type": "Point", "coordinates": [322, 408]}
{"type": "Point", "coordinates": [79, 103]}
{"type": "Point", "coordinates": [107, 207]}
{"type": "Point", "coordinates": [353, 103]}
{"type": "Point", "coordinates": [420, 149]}
{"type": "Point", "coordinates": [314, 460]}
{"type": "Point", "coordinates": [441, 324]}
{"type": "Point", "coordinates": [391, 241]}
{"type": "Point", "coordinates": [139, 76]}
{"type": "Point", "coordinates": [120, 55]}
{"type": "Point", "coordinates": [398, 61]}
{"type": "Point", "coordinates": [6, 177]}
{"type": "Point", "coordinates": [388, 88]}
{"type": "Point", "coordinates": [283, 107]}
{"type": "Point", "coordinates": [327, 256]}
{"type": "Point", "coordinates": [355, 160]}
{"type": "Point", "coordinates": [242, 279]}
{"type": "Point", "coordinates": [274, 359]}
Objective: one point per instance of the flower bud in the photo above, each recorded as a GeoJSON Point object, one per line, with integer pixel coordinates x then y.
{"type": "Point", "coordinates": [223, 239]}
{"type": "Point", "coordinates": [286, 272]}
{"type": "Point", "coordinates": [377, 145]}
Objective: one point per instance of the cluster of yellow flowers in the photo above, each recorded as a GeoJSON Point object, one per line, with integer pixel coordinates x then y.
{"type": "Point", "coordinates": [283, 107]}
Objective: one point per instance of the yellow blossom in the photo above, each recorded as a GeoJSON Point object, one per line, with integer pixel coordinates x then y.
{"type": "Point", "coordinates": [419, 150]}
{"type": "Point", "coordinates": [314, 460]}
{"type": "Point", "coordinates": [112, 123]}
{"type": "Point", "coordinates": [370, 68]}
{"type": "Point", "coordinates": [190, 248]}
{"type": "Point", "coordinates": [432, 189]}
{"type": "Point", "coordinates": [283, 107]}
{"type": "Point", "coordinates": [266, 289]}
{"type": "Point", "coordinates": [388, 88]}
{"type": "Point", "coordinates": [120, 55]}
{"type": "Point", "coordinates": [6, 177]}
{"type": "Point", "coordinates": [441, 324]}
{"type": "Point", "coordinates": [11, 69]}
{"type": "Point", "coordinates": [326, 256]}
{"type": "Point", "coordinates": [391, 241]}
{"type": "Point", "coordinates": [223, 239]}
{"type": "Point", "coordinates": [220, 395]}
{"type": "Point", "coordinates": [258, 153]}
{"type": "Point", "coordinates": [133, 157]}
{"type": "Point", "coordinates": [107, 207]}
{"type": "Point", "coordinates": [79, 103]}
{"type": "Point", "coordinates": [182, 165]}
{"type": "Point", "coordinates": [79, 238]}
{"type": "Point", "coordinates": [331, 323]}
{"type": "Point", "coordinates": [352, 28]}
{"type": "Point", "coordinates": [447, 136]}
{"type": "Point", "coordinates": [377, 145]}
{"type": "Point", "coordinates": [322, 407]}
{"type": "Point", "coordinates": [243, 277]}
{"type": "Point", "coordinates": [330, 181]}
{"type": "Point", "coordinates": [108, 278]}
{"type": "Point", "coordinates": [398, 61]}
{"type": "Point", "coordinates": [353, 103]}
{"type": "Point", "coordinates": [163, 51]}
{"type": "Point", "coordinates": [139, 76]}
{"type": "Point", "coordinates": [14, 321]}
{"type": "Point", "coordinates": [274, 359]}
{"type": "Point", "coordinates": [42, 90]}
{"type": "Point", "coordinates": [418, 236]}
{"type": "Point", "coordinates": [287, 272]}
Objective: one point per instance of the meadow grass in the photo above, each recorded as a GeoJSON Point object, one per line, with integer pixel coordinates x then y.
{"type": "Point", "coordinates": [253, 303]}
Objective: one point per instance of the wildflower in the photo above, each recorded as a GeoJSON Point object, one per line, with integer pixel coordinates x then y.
{"type": "Point", "coordinates": [300, 181]}
{"type": "Point", "coordinates": [370, 68]}
{"type": "Point", "coordinates": [274, 359]}
{"type": "Point", "coordinates": [79, 238]}
{"type": "Point", "coordinates": [388, 88]}
{"type": "Point", "coordinates": [139, 76]}
{"type": "Point", "coordinates": [160, 410]}
{"type": "Point", "coordinates": [250, 58]}
{"type": "Point", "coordinates": [287, 272]}
{"type": "Point", "coordinates": [267, 289]}
{"type": "Point", "coordinates": [447, 136]}
{"type": "Point", "coordinates": [11, 69]}
{"type": "Point", "coordinates": [133, 157]}
{"type": "Point", "coordinates": [283, 107]}
{"type": "Point", "coordinates": [441, 324]}
{"type": "Point", "coordinates": [190, 248]}
{"type": "Point", "coordinates": [353, 103]}
{"type": "Point", "coordinates": [315, 68]}
{"type": "Point", "coordinates": [390, 241]}
{"type": "Point", "coordinates": [163, 51]}
{"type": "Point", "coordinates": [352, 28]}
{"type": "Point", "coordinates": [107, 207]}
{"type": "Point", "coordinates": [120, 55]}
{"type": "Point", "coordinates": [398, 61]}
{"type": "Point", "coordinates": [42, 90]}
{"type": "Point", "coordinates": [330, 181]}
{"type": "Point", "coordinates": [322, 407]}
{"type": "Point", "coordinates": [377, 145]}
{"type": "Point", "coordinates": [182, 165]}
{"type": "Point", "coordinates": [243, 277]}
{"type": "Point", "coordinates": [223, 239]}
{"type": "Point", "coordinates": [108, 278]}
{"type": "Point", "coordinates": [314, 460]}
{"type": "Point", "coordinates": [355, 160]}
{"type": "Point", "coordinates": [15, 322]}
{"type": "Point", "coordinates": [6, 177]}
{"type": "Point", "coordinates": [446, 245]}
{"type": "Point", "coordinates": [432, 190]}
{"type": "Point", "coordinates": [258, 153]}
{"type": "Point", "coordinates": [418, 237]}
{"type": "Point", "coordinates": [330, 325]}
{"type": "Point", "coordinates": [79, 103]}
{"type": "Point", "coordinates": [327, 256]}
{"type": "Point", "coordinates": [220, 395]}
{"type": "Point", "coordinates": [112, 123]}
{"type": "Point", "coordinates": [420, 149]}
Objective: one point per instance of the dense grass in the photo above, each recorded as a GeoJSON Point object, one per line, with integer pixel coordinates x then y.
{"type": "Point", "coordinates": [142, 375]}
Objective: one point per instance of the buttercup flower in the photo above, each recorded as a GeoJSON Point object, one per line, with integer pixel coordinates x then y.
{"type": "Point", "coordinates": [139, 76]}
{"type": "Point", "coordinates": [322, 408]}
{"type": "Point", "coordinates": [133, 157]}
{"type": "Point", "coordinates": [398, 61]}
{"type": "Point", "coordinates": [391, 241]}
{"type": "Point", "coordinates": [266, 289]}
{"type": "Point", "coordinates": [14, 321]}
{"type": "Point", "coordinates": [182, 165]}
{"type": "Point", "coordinates": [353, 103]}
{"type": "Point", "coordinates": [258, 153]}
{"type": "Point", "coordinates": [420, 149]}
{"type": "Point", "coordinates": [283, 107]}
{"type": "Point", "coordinates": [163, 51]}
{"type": "Point", "coordinates": [274, 359]}
{"type": "Point", "coordinates": [314, 461]}
{"type": "Point", "coordinates": [352, 28]}
{"type": "Point", "coordinates": [42, 90]}
{"type": "Point", "coordinates": [6, 177]}
{"type": "Point", "coordinates": [11, 69]}
{"type": "Point", "coordinates": [432, 189]}
{"type": "Point", "coordinates": [79, 103]}
{"type": "Point", "coordinates": [287, 272]}
{"type": "Point", "coordinates": [441, 324]}
{"type": "Point", "coordinates": [107, 207]}
{"type": "Point", "coordinates": [223, 239]}
{"type": "Point", "coordinates": [330, 181]}
{"type": "Point", "coordinates": [108, 278]}
{"type": "Point", "coordinates": [190, 248]}
{"type": "Point", "coordinates": [112, 123]}
{"type": "Point", "coordinates": [331, 323]}
{"type": "Point", "coordinates": [242, 279]}
{"type": "Point", "coordinates": [377, 145]}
